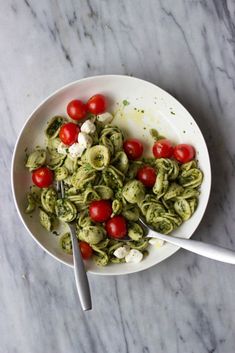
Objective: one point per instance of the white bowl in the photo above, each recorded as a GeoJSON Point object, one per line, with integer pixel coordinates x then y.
{"type": "Point", "coordinates": [161, 111]}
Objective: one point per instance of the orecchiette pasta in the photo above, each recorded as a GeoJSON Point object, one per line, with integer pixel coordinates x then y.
{"type": "Point", "coordinates": [36, 159]}
{"type": "Point", "coordinates": [53, 127]}
{"type": "Point", "coordinates": [66, 243]}
{"type": "Point", "coordinates": [134, 191]}
{"type": "Point", "coordinates": [45, 220]}
{"type": "Point", "coordinates": [91, 234]}
{"type": "Point", "coordinates": [48, 199]}
{"type": "Point", "coordinates": [31, 204]}
{"type": "Point", "coordinates": [98, 157]}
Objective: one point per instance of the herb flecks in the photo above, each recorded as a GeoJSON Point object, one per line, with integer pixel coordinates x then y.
{"type": "Point", "coordinates": [88, 167]}
{"type": "Point", "coordinates": [155, 135]}
{"type": "Point", "coordinates": [125, 102]}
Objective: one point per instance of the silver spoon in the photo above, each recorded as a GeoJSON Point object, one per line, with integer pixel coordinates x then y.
{"type": "Point", "coordinates": [81, 279]}
{"type": "Point", "coordinates": [211, 251]}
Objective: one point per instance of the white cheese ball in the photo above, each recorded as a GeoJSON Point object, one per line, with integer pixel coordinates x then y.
{"type": "Point", "coordinates": [134, 256]}
{"type": "Point", "coordinates": [88, 127]}
{"type": "Point", "coordinates": [84, 139]}
{"type": "Point", "coordinates": [76, 150]}
{"type": "Point", "coordinates": [105, 118]}
{"type": "Point", "coordinates": [121, 252]}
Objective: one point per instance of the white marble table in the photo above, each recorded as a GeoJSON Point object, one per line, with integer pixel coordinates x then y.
{"type": "Point", "coordinates": [185, 304]}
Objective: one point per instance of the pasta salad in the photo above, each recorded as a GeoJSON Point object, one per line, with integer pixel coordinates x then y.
{"type": "Point", "coordinates": [109, 184]}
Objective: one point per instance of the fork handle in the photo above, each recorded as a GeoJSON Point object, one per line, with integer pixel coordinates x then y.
{"type": "Point", "coordinates": [211, 251]}
{"type": "Point", "coordinates": [80, 273]}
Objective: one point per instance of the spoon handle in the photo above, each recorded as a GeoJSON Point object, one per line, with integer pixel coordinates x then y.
{"type": "Point", "coordinates": [80, 273]}
{"type": "Point", "coordinates": [211, 251]}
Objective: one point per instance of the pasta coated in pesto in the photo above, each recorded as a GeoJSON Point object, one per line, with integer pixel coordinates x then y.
{"type": "Point", "coordinates": [102, 171]}
{"type": "Point", "coordinates": [48, 199]}
{"type": "Point", "coordinates": [135, 231]}
{"type": "Point", "coordinates": [91, 234]}
{"type": "Point", "coordinates": [61, 173]}
{"type": "Point", "coordinates": [98, 157]}
{"type": "Point", "coordinates": [53, 127]}
{"type": "Point", "coordinates": [65, 210]}
{"type": "Point", "coordinates": [45, 220]}
{"type": "Point", "coordinates": [134, 191]}
{"type": "Point", "coordinates": [36, 159]}
{"type": "Point", "coordinates": [66, 243]}
{"type": "Point", "coordinates": [31, 204]}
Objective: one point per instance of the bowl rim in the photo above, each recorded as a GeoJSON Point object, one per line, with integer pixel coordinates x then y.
{"type": "Point", "coordinates": [209, 176]}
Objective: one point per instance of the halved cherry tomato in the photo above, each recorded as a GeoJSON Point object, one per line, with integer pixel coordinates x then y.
{"type": "Point", "coordinates": [163, 149]}
{"type": "Point", "coordinates": [43, 177]}
{"type": "Point", "coordinates": [147, 176]}
{"type": "Point", "coordinates": [86, 250]}
{"type": "Point", "coordinates": [69, 133]}
{"type": "Point", "coordinates": [100, 211]}
{"type": "Point", "coordinates": [133, 148]}
{"type": "Point", "coordinates": [116, 227]}
{"type": "Point", "coordinates": [97, 104]}
{"type": "Point", "coordinates": [184, 153]}
{"type": "Point", "coordinates": [76, 109]}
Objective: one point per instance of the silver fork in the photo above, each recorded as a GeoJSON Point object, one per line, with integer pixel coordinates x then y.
{"type": "Point", "coordinates": [81, 279]}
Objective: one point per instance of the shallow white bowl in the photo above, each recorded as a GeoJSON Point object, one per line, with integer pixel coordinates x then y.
{"type": "Point", "coordinates": [161, 111]}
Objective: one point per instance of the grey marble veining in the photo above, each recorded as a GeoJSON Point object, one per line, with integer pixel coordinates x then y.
{"type": "Point", "coordinates": [185, 304]}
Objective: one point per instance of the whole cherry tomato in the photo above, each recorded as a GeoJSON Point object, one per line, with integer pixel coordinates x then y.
{"type": "Point", "coordinates": [116, 227]}
{"type": "Point", "coordinates": [100, 211]}
{"type": "Point", "coordinates": [147, 176]}
{"type": "Point", "coordinates": [43, 177]}
{"type": "Point", "coordinates": [76, 109]}
{"type": "Point", "coordinates": [184, 153]}
{"type": "Point", "coordinates": [133, 148]}
{"type": "Point", "coordinates": [97, 104]}
{"type": "Point", "coordinates": [163, 149]}
{"type": "Point", "coordinates": [69, 133]}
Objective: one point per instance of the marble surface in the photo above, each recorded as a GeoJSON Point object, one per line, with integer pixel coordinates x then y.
{"type": "Point", "coordinates": [185, 304]}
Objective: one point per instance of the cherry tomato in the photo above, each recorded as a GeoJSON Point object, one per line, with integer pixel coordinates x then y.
{"type": "Point", "coordinates": [69, 133]}
{"type": "Point", "coordinates": [43, 177]}
{"type": "Point", "coordinates": [86, 250]}
{"type": "Point", "coordinates": [97, 104]}
{"type": "Point", "coordinates": [163, 149]}
{"type": "Point", "coordinates": [133, 148]}
{"type": "Point", "coordinates": [116, 227]}
{"type": "Point", "coordinates": [147, 176]}
{"type": "Point", "coordinates": [76, 109]}
{"type": "Point", "coordinates": [184, 153]}
{"type": "Point", "coordinates": [100, 211]}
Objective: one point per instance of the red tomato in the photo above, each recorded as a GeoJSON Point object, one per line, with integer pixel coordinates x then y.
{"type": "Point", "coordinates": [69, 133]}
{"type": "Point", "coordinates": [97, 104]}
{"type": "Point", "coordinates": [116, 227]}
{"type": "Point", "coordinates": [100, 211]}
{"type": "Point", "coordinates": [184, 153]}
{"type": "Point", "coordinates": [163, 149]}
{"type": "Point", "coordinates": [43, 177]}
{"type": "Point", "coordinates": [86, 250]}
{"type": "Point", "coordinates": [133, 148]}
{"type": "Point", "coordinates": [147, 176]}
{"type": "Point", "coordinates": [76, 109]}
